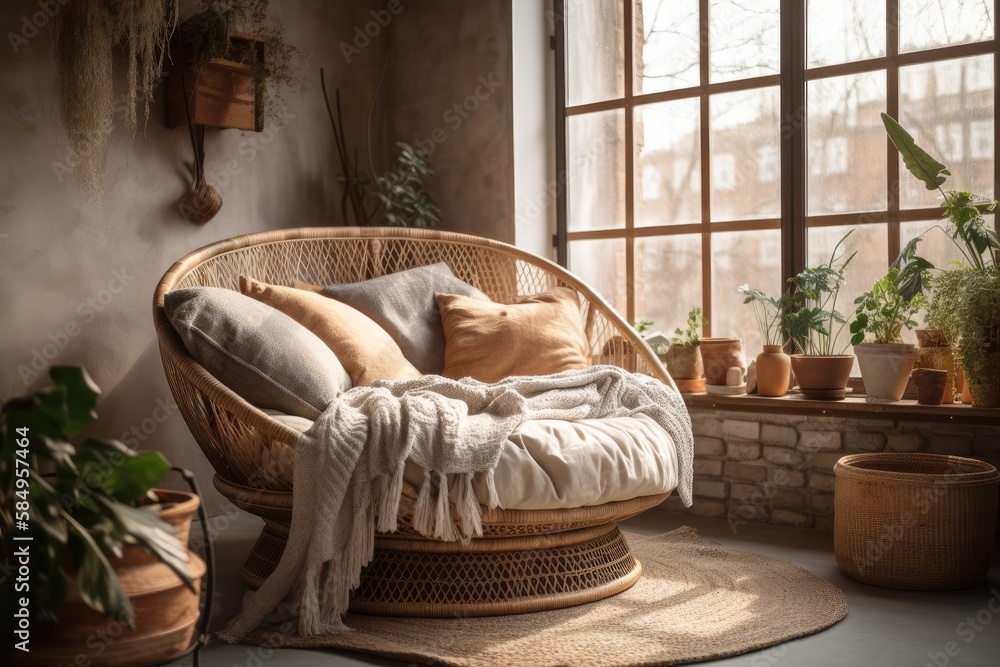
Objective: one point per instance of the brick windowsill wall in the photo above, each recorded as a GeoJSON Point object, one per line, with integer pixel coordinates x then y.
{"type": "Point", "coordinates": [778, 468]}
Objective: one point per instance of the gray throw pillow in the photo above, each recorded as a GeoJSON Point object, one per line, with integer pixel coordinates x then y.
{"type": "Point", "coordinates": [403, 304]}
{"type": "Point", "coordinates": [260, 353]}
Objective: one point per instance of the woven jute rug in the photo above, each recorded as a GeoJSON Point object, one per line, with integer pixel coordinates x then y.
{"type": "Point", "coordinates": [695, 601]}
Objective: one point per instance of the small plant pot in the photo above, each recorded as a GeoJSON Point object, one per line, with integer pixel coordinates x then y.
{"type": "Point", "coordinates": [684, 362]}
{"type": "Point", "coordinates": [823, 377]}
{"type": "Point", "coordinates": [930, 384]}
{"type": "Point", "coordinates": [718, 356]}
{"type": "Point", "coordinates": [934, 351]}
{"type": "Point", "coordinates": [885, 368]}
{"type": "Point", "coordinates": [773, 371]}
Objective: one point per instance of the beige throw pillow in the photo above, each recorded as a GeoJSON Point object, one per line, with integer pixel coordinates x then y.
{"type": "Point", "coordinates": [538, 335]}
{"type": "Point", "coordinates": [367, 352]}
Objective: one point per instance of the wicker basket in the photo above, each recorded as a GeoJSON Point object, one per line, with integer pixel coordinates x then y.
{"type": "Point", "coordinates": [915, 521]}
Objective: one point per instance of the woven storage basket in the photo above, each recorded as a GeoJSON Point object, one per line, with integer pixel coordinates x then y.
{"type": "Point", "coordinates": [916, 521]}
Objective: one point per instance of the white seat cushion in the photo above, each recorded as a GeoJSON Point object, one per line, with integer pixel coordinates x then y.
{"type": "Point", "coordinates": [553, 464]}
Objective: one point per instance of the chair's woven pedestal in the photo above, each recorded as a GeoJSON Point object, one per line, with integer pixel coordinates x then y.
{"type": "Point", "coordinates": [526, 560]}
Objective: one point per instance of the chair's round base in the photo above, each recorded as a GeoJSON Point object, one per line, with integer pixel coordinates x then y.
{"type": "Point", "coordinates": [488, 577]}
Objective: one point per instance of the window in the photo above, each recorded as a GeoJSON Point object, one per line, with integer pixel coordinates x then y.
{"type": "Point", "coordinates": [712, 144]}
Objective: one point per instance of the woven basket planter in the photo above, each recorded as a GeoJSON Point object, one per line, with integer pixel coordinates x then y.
{"type": "Point", "coordinates": [915, 521]}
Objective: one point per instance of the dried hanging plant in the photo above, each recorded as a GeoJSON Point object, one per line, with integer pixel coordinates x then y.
{"type": "Point", "coordinates": [145, 28]}
{"type": "Point", "coordinates": [86, 33]}
{"type": "Point", "coordinates": [84, 41]}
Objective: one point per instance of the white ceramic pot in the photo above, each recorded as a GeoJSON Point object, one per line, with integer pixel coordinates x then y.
{"type": "Point", "coordinates": [885, 369]}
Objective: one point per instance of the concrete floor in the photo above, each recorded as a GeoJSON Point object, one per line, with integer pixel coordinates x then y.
{"type": "Point", "coordinates": [884, 627]}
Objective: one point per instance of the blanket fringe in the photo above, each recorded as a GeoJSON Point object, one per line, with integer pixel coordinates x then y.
{"type": "Point", "coordinates": [423, 519]}
{"type": "Point", "coordinates": [491, 489]}
{"type": "Point", "coordinates": [468, 509]}
{"type": "Point", "coordinates": [388, 505]}
{"type": "Point", "coordinates": [444, 526]}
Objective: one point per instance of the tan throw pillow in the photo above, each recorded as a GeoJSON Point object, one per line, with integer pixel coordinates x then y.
{"type": "Point", "coordinates": [367, 352]}
{"type": "Point", "coordinates": [537, 335]}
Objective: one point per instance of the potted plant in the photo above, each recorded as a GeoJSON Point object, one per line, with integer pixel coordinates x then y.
{"type": "Point", "coordinates": [683, 356]}
{"type": "Point", "coordinates": [231, 67]}
{"type": "Point", "coordinates": [958, 293]}
{"type": "Point", "coordinates": [814, 326]}
{"type": "Point", "coordinates": [882, 313]}
{"type": "Point", "coordinates": [773, 364]}
{"type": "Point", "coordinates": [966, 305]}
{"type": "Point", "coordinates": [103, 543]}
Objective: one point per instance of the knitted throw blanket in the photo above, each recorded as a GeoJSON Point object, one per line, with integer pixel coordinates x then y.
{"type": "Point", "coordinates": [348, 474]}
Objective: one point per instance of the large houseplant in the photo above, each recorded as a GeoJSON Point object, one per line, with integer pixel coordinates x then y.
{"type": "Point", "coordinates": [94, 521]}
{"type": "Point", "coordinates": [771, 315]}
{"type": "Point", "coordinates": [814, 325]}
{"type": "Point", "coordinates": [961, 298]}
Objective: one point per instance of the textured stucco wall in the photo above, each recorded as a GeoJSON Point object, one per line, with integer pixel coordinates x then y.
{"type": "Point", "coordinates": [77, 276]}
{"type": "Point", "coordinates": [448, 91]}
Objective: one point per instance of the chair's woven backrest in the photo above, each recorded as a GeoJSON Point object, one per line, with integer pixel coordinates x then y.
{"type": "Point", "coordinates": [227, 428]}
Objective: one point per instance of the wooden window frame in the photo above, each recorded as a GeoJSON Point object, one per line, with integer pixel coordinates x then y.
{"type": "Point", "coordinates": [794, 222]}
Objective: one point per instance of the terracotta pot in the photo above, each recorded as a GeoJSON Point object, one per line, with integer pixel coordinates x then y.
{"type": "Point", "coordinates": [885, 368]}
{"type": "Point", "coordinates": [773, 367]}
{"type": "Point", "coordinates": [684, 362]}
{"type": "Point", "coordinates": [166, 612]}
{"type": "Point", "coordinates": [940, 358]}
{"type": "Point", "coordinates": [966, 394]}
{"type": "Point", "coordinates": [822, 372]}
{"type": "Point", "coordinates": [719, 355]}
{"type": "Point", "coordinates": [930, 384]}
{"type": "Point", "coordinates": [961, 388]}
{"type": "Point", "coordinates": [985, 395]}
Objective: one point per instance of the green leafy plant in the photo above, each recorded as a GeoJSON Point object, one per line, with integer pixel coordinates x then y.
{"type": "Point", "coordinates": [82, 503]}
{"type": "Point", "coordinates": [642, 325]}
{"type": "Point", "coordinates": [401, 192]}
{"type": "Point", "coordinates": [977, 316]}
{"type": "Point", "coordinates": [966, 308]}
{"type": "Point", "coordinates": [967, 228]}
{"type": "Point", "coordinates": [892, 302]}
{"type": "Point", "coordinates": [813, 322]}
{"type": "Point", "coordinates": [772, 315]}
{"type": "Point", "coordinates": [689, 336]}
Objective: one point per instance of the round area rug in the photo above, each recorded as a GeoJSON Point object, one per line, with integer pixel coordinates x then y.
{"type": "Point", "coordinates": [695, 601]}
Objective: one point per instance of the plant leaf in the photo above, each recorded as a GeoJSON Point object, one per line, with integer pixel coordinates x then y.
{"type": "Point", "coordinates": [144, 528]}
{"type": "Point", "coordinates": [81, 396]}
{"type": "Point", "coordinates": [132, 478]}
{"type": "Point", "coordinates": [928, 170]}
{"type": "Point", "coordinates": [98, 583]}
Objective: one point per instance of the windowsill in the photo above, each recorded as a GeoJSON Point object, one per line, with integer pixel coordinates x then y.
{"type": "Point", "coordinates": [856, 407]}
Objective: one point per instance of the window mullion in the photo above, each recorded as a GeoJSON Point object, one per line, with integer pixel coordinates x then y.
{"type": "Point", "coordinates": [793, 128]}
{"type": "Point", "coordinates": [629, 165]}
{"type": "Point", "coordinates": [706, 166]}
{"type": "Point", "coordinates": [892, 108]}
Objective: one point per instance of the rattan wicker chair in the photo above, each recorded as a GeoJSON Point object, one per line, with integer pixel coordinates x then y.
{"type": "Point", "coordinates": [526, 560]}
